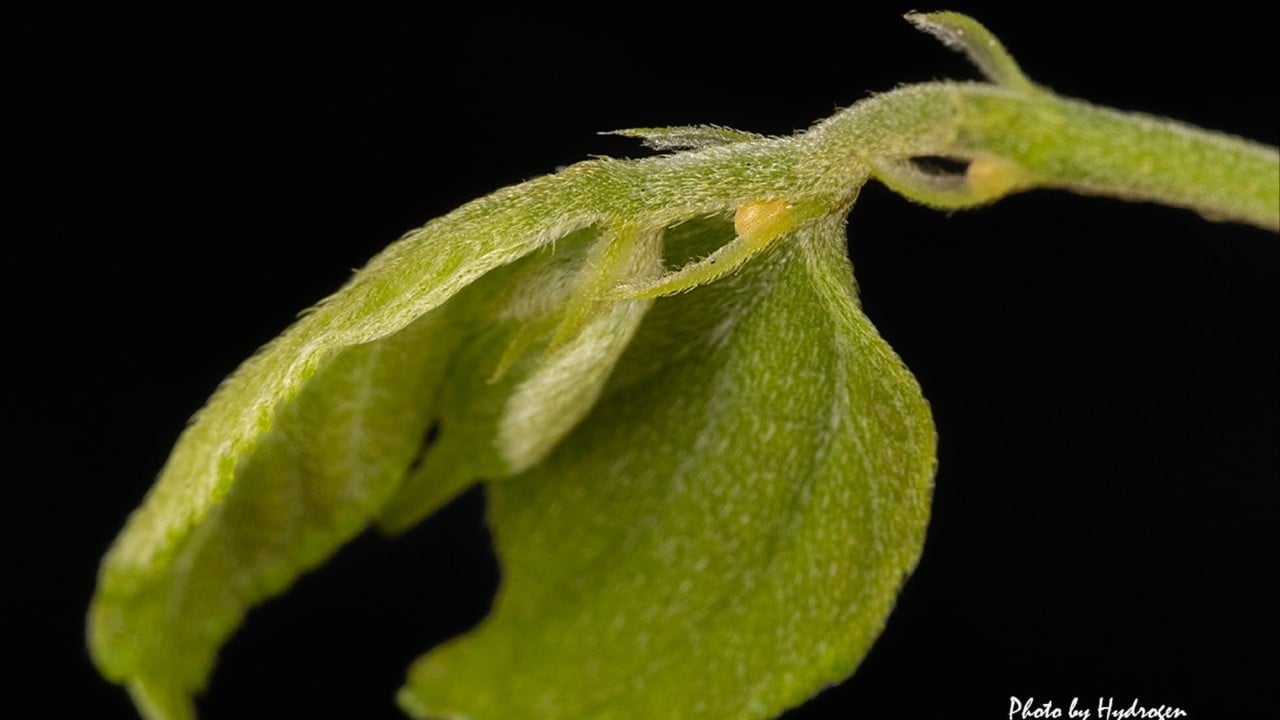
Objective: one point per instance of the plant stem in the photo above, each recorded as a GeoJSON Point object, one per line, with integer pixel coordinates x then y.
{"type": "Point", "coordinates": [1018, 139]}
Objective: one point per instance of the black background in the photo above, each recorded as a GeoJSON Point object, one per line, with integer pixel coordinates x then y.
{"type": "Point", "coordinates": [1103, 375]}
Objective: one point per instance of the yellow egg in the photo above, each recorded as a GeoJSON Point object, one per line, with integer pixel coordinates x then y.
{"type": "Point", "coordinates": [762, 220]}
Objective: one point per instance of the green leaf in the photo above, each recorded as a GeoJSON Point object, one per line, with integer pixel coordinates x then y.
{"type": "Point", "coordinates": [298, 449]}
{"type": "Point", "coordinates": [686, 136]}
{"type": "Point", "coordinates": [536, 362]}
{"type": "Point", "coordinates": [726, 532]}
{"type": "Point", "coordinates": [708, 474]}
{"type": "Point", "coordinates": [963, 33]}
{"type": "Point", "coordinates": [330, 458]}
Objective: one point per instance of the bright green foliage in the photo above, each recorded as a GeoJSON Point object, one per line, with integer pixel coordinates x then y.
{"type": "Point", "coordinates": [726, 531]}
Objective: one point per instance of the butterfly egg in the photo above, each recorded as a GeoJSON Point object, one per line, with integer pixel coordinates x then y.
{"type": "Point", "coordinates": [990, 178]}
{"type": "Point", "coordinates": [760, 221]}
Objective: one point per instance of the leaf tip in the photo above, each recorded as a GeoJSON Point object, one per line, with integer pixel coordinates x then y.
{"type": "Point", "coordinates": [160, 702]}
{"type": "Point", "coordinates": [966, 35]}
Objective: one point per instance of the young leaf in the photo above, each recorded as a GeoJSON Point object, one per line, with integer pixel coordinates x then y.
{"type": "Point", "coordinates": [966, 35]}
{"type": "Point", "coordinates": [540, 357]}
{"type": "Point", "coordinates": [708, 474]}
{"type": "Point", "coordinates": [689, 137]}
{"type": "Point", "coordinates": [331, 457]}
{"type": "Point", "coordinates": [726, 532]}
{"type": "Point", "coordinates": [297, 449]}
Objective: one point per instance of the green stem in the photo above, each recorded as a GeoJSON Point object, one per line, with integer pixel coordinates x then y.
{"type": "Point", "coordinates": [1018, 139]}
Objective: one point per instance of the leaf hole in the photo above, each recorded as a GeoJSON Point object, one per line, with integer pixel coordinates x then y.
{"type": "Point", "coordinates": [430, 437]}
{"type": "Point", "coordinates": [940, 166]}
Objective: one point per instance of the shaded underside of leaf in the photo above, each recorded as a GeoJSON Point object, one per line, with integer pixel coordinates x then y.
{"type": "Point", "coordinates": [522, 381]}
{"type": "Point", "coordinates": [726, 531]}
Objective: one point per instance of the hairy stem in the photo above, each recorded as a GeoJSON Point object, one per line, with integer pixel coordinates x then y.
{"type": "Point", "coordinates": [1017, 139]}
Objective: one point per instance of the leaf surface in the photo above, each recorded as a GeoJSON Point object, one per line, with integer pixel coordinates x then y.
{"type": "Point", "coordinates": [307, 440]}
{"type": "Point", "coordinates": [313, 478]}
{"type": "Point", "coordinates": [542, 344]}
{"type": "Point", "coordinates": [727, 530]}
{"type": "Point", "coordinates": [708, 473]}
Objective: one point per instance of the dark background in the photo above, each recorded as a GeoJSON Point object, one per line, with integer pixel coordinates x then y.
{"type": "Point", "coordinates": [1103, 374]}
